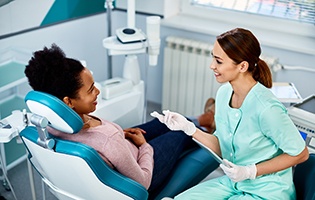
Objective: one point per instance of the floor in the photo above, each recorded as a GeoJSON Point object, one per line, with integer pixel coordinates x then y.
{"type": "Point", "coordinates": [19, 178]}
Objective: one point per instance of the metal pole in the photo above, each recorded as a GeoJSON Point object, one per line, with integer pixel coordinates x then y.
{"type": "Point", "coordinates": [109, 6]}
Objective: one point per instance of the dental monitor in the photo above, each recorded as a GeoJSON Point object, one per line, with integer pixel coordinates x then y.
{"type": "Point", "coordinates": [303, 116]}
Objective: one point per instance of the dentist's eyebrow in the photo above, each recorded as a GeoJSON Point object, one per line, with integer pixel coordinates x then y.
{"type": "Point", "coordinates": [216, 57]}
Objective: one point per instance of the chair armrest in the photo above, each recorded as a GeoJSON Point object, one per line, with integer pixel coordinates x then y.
{"type": "Point", "coordinates": [303, 178]}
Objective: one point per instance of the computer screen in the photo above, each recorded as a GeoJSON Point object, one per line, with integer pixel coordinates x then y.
{"type": "Point", "coordinates": [308, 105]}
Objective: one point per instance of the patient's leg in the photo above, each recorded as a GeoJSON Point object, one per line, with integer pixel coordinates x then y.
{"type": "Point", "coordinates": [153, 128]}
{"type": "Point", "coordinates": [167, 150]}
{"type": "Point", "coordinates": [206, 119]}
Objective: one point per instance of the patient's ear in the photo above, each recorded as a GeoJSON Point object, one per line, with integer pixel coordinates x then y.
{"type": "Point", "coordinates": [67, 100]}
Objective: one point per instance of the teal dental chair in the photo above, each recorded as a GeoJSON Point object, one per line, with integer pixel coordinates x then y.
{"type": "Point", "coordinates": [74, 170]}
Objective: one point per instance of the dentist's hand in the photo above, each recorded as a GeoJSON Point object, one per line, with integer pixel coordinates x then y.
{"type": "Point", "coordinates": [175, 121]}
{"type": "Point", "coordinates": [238, 173]}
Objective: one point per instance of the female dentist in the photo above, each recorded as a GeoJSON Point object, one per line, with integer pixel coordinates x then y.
{"type": "Point", "coordinates": [254, 135]}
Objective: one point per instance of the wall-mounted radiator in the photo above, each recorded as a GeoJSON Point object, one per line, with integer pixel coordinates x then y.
{"type": "Point", "coordinates": [187, 79]}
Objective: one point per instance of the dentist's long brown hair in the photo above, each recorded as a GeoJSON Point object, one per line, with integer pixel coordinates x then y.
{"type": "Point", "coordinates": [241, 45]}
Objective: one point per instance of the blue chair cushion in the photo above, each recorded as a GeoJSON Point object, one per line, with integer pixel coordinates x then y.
{"type": "Point", "coordinates": [59, 115]}
{"type": "Point", "coordinates": [304, 179]}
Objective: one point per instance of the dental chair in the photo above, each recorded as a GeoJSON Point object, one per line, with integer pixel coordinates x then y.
{"type": "Point", "coordinates": [73, 170]}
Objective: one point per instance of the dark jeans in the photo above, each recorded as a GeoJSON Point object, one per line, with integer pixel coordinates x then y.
{"type": "Point", "coordinates": [168, 147]}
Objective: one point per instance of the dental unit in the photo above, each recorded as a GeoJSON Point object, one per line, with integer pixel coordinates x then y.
{"type": "Point", "coordinates": [122, 99]}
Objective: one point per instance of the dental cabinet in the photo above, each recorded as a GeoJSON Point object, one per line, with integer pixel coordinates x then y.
{"type": "Point", "coordinates": [12, 80]}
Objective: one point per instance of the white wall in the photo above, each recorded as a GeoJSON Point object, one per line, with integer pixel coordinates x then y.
{"type": "Point", "coordinates": [80, 39]}
{"type": "Point", "coordinates": [23, 14]}
{"type": "Point", "coordinates": [164, 8]}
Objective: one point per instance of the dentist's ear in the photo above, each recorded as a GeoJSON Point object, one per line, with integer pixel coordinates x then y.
{"type": "Point", "coordinates": [243, 66]}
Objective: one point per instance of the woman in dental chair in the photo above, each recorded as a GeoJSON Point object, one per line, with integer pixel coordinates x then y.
{"type": "Point", "coordinates": [146, 153]}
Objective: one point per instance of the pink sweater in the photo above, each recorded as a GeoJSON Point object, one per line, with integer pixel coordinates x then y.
{"type": "Point", "coordinates": [109, 141]}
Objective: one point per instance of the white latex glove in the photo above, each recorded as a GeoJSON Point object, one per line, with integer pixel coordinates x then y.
{"type": "Point", "coordinates": [238, 173]}
{"type": "Point", "coordinates": [175, 122]}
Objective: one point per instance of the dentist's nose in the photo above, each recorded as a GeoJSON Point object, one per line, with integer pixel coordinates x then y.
{"type": "Point", "coordinates": [212, 66]}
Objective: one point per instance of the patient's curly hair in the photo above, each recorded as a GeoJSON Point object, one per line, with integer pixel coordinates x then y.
{"type": "Point", "coordinates": [50, 71]}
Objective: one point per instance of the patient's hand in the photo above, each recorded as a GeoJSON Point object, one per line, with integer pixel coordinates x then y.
{"type": "Point", "coordinates": [135, 135]}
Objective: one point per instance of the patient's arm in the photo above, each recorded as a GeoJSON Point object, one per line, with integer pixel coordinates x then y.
{"type": "Point", "coordinates": [135, 135]}
{"type": "Point", "coordinates": [133, 162]}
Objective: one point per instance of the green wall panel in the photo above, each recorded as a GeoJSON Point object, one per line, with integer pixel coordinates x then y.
{"type": "Point", "coordinates": [63, 10]}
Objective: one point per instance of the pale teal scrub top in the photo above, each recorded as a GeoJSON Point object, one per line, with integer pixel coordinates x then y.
{"type": "Point", "coordinates": [259, 130]}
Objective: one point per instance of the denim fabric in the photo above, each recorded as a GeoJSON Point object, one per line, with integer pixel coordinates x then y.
{"type": "Point", "coordinates": [168, 147]}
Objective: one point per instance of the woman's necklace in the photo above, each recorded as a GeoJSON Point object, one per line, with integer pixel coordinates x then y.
{"type": "Point", "coordinates": [87, 121]}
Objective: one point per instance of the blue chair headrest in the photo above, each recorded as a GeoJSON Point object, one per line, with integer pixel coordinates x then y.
{"type": "Point", "coordinates": [59, 115]}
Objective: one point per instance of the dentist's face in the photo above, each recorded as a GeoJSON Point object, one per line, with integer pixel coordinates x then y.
{"type": "Point", "coordinates": [86, 102]}
{"type": "Point", "coordinates": [223, 67]}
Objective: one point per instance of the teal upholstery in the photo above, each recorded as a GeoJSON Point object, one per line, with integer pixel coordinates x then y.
{"type": "Point", "coordinates": [104, 173]}
{"type": "Point", "coordinates": [304, 179]}
{"type": "Point", "coordinates": [63, 112]}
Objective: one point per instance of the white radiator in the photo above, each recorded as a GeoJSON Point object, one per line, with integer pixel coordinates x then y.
{"type": "Point", "coordinates": [187, 79]}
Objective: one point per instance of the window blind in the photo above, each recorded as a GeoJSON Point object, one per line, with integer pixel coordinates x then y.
{"type": "Point", "coordinates": [295, 10]}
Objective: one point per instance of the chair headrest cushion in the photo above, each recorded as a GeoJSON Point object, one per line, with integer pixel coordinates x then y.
{"type": "Point", "coordinates": [59, 115]}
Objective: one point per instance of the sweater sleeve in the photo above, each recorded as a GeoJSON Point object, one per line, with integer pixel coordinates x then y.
{"type": "Point", "coordinates": [135, 163]}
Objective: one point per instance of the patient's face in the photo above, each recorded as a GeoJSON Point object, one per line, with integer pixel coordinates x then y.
{"type": "Point", "coordinates": [86, 102]}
